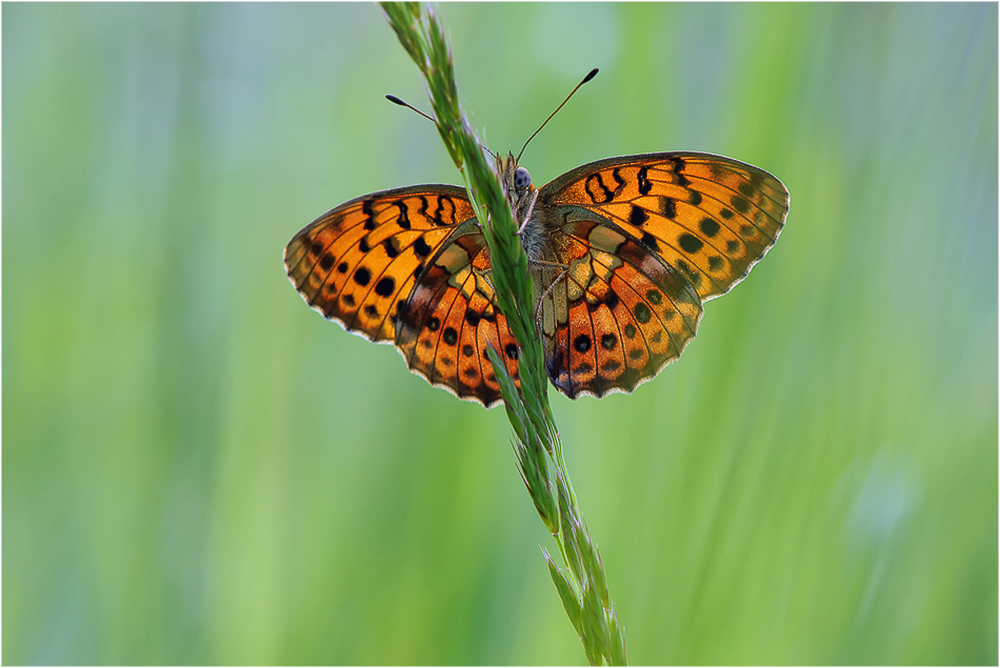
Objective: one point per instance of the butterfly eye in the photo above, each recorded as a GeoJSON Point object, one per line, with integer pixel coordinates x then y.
{"type": "Point", "coordinates": [522, 179]}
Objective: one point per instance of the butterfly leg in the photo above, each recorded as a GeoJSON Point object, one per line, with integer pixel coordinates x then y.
{"type": "Point", "coordinates": [531, 209]}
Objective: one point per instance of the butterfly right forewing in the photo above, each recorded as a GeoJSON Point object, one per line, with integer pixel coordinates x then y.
{"type": "Point", "coordinates": [708, 216]}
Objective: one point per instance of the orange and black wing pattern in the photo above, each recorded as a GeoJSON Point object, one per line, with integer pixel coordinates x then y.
{"type": "Point", "coordinates": [451, 319]}
{"type": "Point", "coordinates": [409, 267]}
{"type": "Point", "coordinates": [647, 239]}
{"type": "Point", "coordinates": [356, 263]}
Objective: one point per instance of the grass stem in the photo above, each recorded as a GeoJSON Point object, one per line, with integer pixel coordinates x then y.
{"type": "Point", "coordinates": [581, 581]}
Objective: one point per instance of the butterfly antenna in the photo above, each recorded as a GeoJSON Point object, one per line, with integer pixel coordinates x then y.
{"type": "Point", "coordinates": [590, 75]}
{"type": "Point", "coordinates": [396, 100]}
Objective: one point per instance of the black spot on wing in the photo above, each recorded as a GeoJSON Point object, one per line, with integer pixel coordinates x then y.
{"type": "Point", "coordinates": [643, 182]}
{"type": "Point", "coordinates": [642, 313]}
{"type": "Point", "coordinates": [391, 246]}
{"type": "Point", "coordinates": [668, 207]}
{"type": "Point", "coordinates": [690, 243]}
{"type": "Point", "coordinates": [385, 287]}
{"type": "Point", "coordinates": [421, 248]}
{"type": "Point", "coordinates": [709, 227]}
{"type": "Point", "coordinates": [403, 219]}
{"type": "Point", "coordinates": [637, 216]}
{"type": "Point", "coordinates": [369, 214]}
{"type": "Point", "coordinates": [739, 204]}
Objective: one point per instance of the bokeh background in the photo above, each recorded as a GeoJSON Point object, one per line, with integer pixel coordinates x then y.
{"type": "Point", "coordinates": [199, 469]}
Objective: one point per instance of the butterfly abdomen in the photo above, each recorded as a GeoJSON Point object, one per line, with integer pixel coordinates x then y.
{"type": "Point", "coordinates": [536, 240]}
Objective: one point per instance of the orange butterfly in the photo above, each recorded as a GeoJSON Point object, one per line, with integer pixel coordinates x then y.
{"type": "Point", "coordinates": [622, 253]}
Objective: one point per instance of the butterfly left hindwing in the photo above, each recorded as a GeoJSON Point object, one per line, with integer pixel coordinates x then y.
{"type": "Point", "coordinates": [451, 319]}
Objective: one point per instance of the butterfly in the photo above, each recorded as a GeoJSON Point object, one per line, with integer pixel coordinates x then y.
{"type": "Point", "coordinates": [623, 252]}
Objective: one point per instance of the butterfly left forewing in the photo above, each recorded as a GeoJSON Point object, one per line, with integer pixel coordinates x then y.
{"type": "Point", "coordinates": [357, 262]}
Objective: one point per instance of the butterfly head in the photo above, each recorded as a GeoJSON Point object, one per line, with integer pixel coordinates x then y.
{"type": "Point", "coordinates": [517, 186]}
{"type": "Point", "coordinates": [522, 179]}
{"type": "Point", "coordinates": [515, 179]}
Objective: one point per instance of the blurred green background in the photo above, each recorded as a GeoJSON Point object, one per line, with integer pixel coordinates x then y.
{"type": "Point", "coordinates": [199, 469]}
